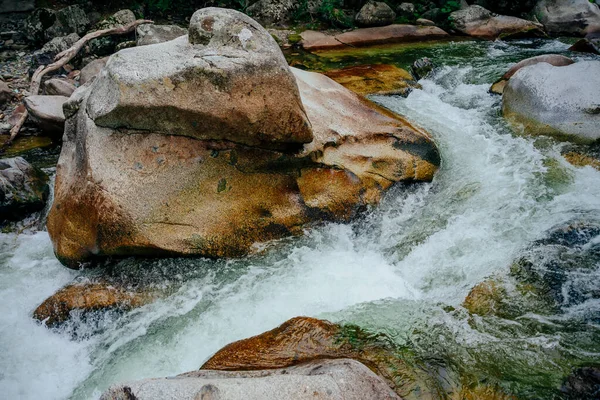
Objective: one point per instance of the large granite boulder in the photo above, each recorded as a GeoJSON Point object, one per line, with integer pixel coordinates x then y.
{"type": "Point", "coordinates": [568, 17]}
{"type": "Point", "coordinates": [478, 22]}
{"type": "Point", "coordinates": [23, 189]}
{"type": "Point", "coordinates": [553, 59]}
{"type": "Point", "coordinates": [375, 13]}
{"type": "Point", "coordinates": [209, 144]}
{"type": "Point", "coordinates": [320, 379]}
{"type": "Point", "coordinates": [563, 101]}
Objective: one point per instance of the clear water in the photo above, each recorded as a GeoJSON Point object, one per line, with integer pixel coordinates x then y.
{"type": "Point", "coordinates": [403, 269]}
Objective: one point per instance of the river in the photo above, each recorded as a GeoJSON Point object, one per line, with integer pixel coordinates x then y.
{"type": "Point", "coordinates": [403, 268]}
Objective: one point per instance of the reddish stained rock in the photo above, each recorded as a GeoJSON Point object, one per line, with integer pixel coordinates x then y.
{"type": "Point", "coordinates": [396, 33]}
{"type": "Point", "coordinates": [91, 296]}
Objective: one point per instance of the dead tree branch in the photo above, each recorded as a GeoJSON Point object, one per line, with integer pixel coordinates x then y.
{"type": "Point", "coordinates": [62, 59]}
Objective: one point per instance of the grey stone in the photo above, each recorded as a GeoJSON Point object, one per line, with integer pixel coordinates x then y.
{"type": "Point", "coordinates": [69, 20]}
{"type": "Point", "coordinates": [226, 52]}
{"type": "Point", "coordinates": [568, 17]}
{"type": "Point", "coordinates": [406, 11]}
{"type": "Point", "coordinates": [375, 13]}
{"type": "Point", "coordinates": [565, 101]}
{"type": "Point", "coordinates": [422, 68]}
{"type": "Point", "coordinates": [37, 23]}
{"type": "Point", "coordinates": [91, 70]}
{"type": "Point", "coordinates": [106, 45]}
{"type": "Point", "coordinates": [14, 6]}
{"type": "Point", "coordinates": [342, 379]}
{"type": "Point", "coordinates": [59, 87]}
{"type": "Point", "coordinates": [272, 11]}
{"type": "Point", "coordinates": [478, 22]}
{"type": "Point", "coordinates": [46, 54]}
{"type": "Point", "coordinates": [23, 189]}
{"type": "Point", "coordinates": [152, 34]}
{"type": "Point", "coordinates": [47, 112]}
{"type": "Point", "coordinates": [424, 22]}
{"type": "Point", "coordinates": [5, 93]}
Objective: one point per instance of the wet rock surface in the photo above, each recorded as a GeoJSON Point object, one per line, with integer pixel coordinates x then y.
{"type": "Point", "coordinates": [375, 79]}
{"type": "Point", "coordinates": [89, 297]}
{"type": "Point", "coordinates": [23, 189]}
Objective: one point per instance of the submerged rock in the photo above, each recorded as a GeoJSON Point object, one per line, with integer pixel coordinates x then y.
{"type": "Point", "coordinates": [568, 17]}
{"type": "Point", "coordinates": [47, 112]}
{"type": "Point", "coordinates": [552, 59]}
{"type": "Point", "coordinates": [323, 379]}
{"type": "Point", "coordinates": [375, 79]}
{"type": "Point", "coordinates": [589, 44]}
{"type": "Point", "coordinates": [23, 189]}
{"type": "Point", "coordinates": [562, 101]}
{"type": "Point", "coordinates": [89, 297]}
{"type": "Point", "coordinates": [312, 40]}
{"type": "Point", "coordinates": [375, 13]}
{"type": "Point", "coordinates": [478, 22]}
{"type": "Point", "coordinates": [422, 68]}
{"type": "Point", "coordinates": [316, 150]}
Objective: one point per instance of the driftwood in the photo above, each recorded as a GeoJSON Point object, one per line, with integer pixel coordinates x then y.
{"type": "Point", "coordinates": [62, 59]}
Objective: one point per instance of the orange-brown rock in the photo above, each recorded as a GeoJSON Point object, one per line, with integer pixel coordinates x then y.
{"type": "Point", "coordinates": [123, 191]}
{"type": "Point", "coordinates": [92, 296]}
{"type": "Point", "coordinates": [312, 40]}
{"type": "Point", "coordinates": [582, 160]}
{"type": "Point", "coordinates": [375, 79]}
{"type": "Point", "coordinates": [302, 339]}
{"type": "Point", "coordinates": [485, 298]}
{"type": "Point", "coordinates": [553, 59]}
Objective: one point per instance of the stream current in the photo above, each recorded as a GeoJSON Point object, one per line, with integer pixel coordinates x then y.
{"type": "Point", "coordinates": [403, 268]}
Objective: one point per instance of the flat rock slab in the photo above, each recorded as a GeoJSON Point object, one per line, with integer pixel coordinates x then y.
{"type": "Point", "coordinates": [397, 33]}
{"type": "Point", "coordinates": [342, 379]}
{"type": "Point", "coordinates": [47, 112]}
